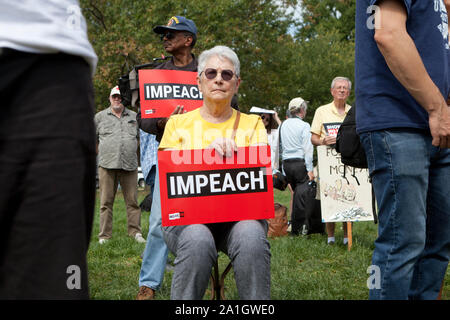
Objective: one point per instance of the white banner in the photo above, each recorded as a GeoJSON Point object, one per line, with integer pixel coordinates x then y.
{"type": "Point", "coordinates": [342, 198]}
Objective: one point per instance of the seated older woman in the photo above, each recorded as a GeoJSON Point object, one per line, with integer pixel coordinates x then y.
{"type": "Point", "coordinates": [195, 246]}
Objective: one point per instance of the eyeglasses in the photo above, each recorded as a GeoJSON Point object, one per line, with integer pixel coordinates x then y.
{"type": "Point", "coordinates": [211, 74]}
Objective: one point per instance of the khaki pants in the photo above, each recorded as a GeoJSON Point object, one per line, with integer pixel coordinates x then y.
{"type": "Point", "coordinates": [109, 180]}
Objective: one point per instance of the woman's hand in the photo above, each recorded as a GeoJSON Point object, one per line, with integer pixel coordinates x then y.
{"type": "Point", "coordinates": [224, 146]}
{"type": "Point", "coordinates": [277, 119]}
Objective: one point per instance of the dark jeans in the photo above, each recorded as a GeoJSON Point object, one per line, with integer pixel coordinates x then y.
{"type": "Point", "coordinates": [297, 176]}
{"type": "Point", "coordinates": [47, 175]}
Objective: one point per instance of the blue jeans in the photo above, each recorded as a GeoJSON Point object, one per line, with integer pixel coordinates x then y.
{"type": "Point", "coordinates": [411, 180]}
{"type": "Point", "coordinates": [155, 253]}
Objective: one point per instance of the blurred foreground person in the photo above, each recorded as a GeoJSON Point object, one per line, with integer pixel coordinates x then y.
{"type": "Point", "coordinates": [402, 84]}
{"type": "Point", "coordinates": [47, 150]}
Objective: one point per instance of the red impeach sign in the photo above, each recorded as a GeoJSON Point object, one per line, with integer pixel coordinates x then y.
{"type": "Point", "coordinates": [200, 186]}
{"type": "Point", "coordinates": [160, 91]}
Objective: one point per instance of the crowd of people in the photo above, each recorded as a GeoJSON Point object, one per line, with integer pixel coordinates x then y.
{"type": "Point", "coordinates": [46, 218]}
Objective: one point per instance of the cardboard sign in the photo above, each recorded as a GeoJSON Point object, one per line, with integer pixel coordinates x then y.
{"type": "Point", "coordinates": [343, 199]}
{"type": "Point", "coordinates": [200, 186]}
{"type": "Point", "coordinates": [161, 91]}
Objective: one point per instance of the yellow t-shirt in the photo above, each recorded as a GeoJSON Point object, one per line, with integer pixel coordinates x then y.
{"type": "Point", "coordinates": [328, 115]}
{"type": "Point", "coordinates": [190, 131]}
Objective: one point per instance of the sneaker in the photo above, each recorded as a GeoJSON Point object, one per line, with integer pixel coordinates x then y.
{"type": "Point", "coordinates": [138, 237]}
{"type": "Point", "coordinates": [145, 293]}
{"type": "Point", "coordinates": [102, 241]}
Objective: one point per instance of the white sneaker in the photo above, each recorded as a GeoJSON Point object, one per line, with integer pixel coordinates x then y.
{"type": "Point", "coordinates": [138, 237]}
{"type": "Point", "coordinates": [102, 241]}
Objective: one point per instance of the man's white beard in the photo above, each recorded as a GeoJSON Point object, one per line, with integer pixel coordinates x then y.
{"type": "Point", "coordinates": [117, 107]}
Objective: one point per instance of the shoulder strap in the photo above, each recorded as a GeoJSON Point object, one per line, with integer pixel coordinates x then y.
{"type": "Point", "coordinates": [236, 124]}
{"type": "Point", "coordinates": [279, 139]}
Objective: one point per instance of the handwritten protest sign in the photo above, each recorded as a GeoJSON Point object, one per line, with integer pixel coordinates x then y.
{"type": "Point", "coordinates": [200, 186]}
{"type": "Point", "coordinates": [162, 90]}
{"type": "Point", "coordinates": [342, 198]}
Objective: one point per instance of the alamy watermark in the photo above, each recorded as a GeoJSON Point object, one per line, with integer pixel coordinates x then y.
{"type": "Point", "coordinates": [73, 281]}
{"type": "Point", "coordinates": [73, 21]}
{"type": "Point", "coordinates": [190, 146]}
{"type": "Point", "coordinates": [374, 280]}
{"type": "Point", "coordinates": [374, 20]}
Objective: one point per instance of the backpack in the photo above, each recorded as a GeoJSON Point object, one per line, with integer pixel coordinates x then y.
{"type": "Point", "coordinates": [348, 143]}
{"type": "Point", "coordinates": [351, 150]}
{"type": "Point", "coordinates": [278, 225]}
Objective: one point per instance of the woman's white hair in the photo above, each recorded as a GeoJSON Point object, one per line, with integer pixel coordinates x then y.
{"type": "Point", "coordinates": [221, 52]}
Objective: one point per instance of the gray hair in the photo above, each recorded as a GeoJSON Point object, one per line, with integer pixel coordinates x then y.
{"type": "Point", "coordinates": [340, 79]}
{"type": "Point", "coordinates": [222, 52]}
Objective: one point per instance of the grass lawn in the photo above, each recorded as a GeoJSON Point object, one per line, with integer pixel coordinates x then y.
{"type": "Point", "coordinates": [302, 268]}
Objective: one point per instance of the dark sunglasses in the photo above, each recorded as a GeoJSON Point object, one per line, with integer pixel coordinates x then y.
{"type": "Point", "coordinates": [264, 117]}
{"type": "Point", "coordinates": [226, 74]}
{"type": "Point", "coordinates": [168, 36]}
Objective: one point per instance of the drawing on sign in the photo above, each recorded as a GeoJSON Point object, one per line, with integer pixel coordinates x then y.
{"type": "Point", "coordinates": [343, 198]}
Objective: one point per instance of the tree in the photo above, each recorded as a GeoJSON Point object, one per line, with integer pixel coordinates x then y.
{"type": "Point", "coordinates": [333, 15]}
{"type": "Point", "coordinates": [122, 36]}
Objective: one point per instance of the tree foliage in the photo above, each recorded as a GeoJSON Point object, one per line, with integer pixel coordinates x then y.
{"type": "Point", "coordinates": [276, 66]}
{"type": "Point", "coordinates": [334, 15]}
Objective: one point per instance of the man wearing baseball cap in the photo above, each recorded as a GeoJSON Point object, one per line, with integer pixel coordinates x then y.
{"type": "Point", "coordinates": [297, 157]}
{"type": "Point", "coordinates": [117, 135]}
{"type": "Point", "coordinates": [178, 37]}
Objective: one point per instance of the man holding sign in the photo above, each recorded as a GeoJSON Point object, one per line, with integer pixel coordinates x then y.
{"type": "Point", "coordinates": [218, 127]}
{"type": "Point", "coordinates": [325, 125]}
{"type": "Point", "coordinates": [178, 37]}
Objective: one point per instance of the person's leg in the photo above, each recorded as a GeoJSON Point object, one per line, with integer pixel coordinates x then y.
{"type": "Point", "coordinates": [195, 251]}
{"type": "Point", "coordinates": [297, 177]}
{"type": "Point", "coordinates": [249, 251]}
{"type": "Point", "coordinates": [400, 186]}
{"type": "Point", "coordinates": [429, 271]}
{"type": "Point", "coordinates": [330, 227]}
{"type": "Point", "coordinates": [155, 253]}
{"type": "Point", "coordinates": [108, 182]}
{"type": "Point", "coordinates": [128, 182]}
{"type": "Point", "coordinates": [47, 169]}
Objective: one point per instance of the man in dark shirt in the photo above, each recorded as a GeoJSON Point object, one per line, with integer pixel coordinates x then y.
{"type": "Point", "coordinates": [402, 83]}
{"type": "Point", "coordinates": [179, 37]}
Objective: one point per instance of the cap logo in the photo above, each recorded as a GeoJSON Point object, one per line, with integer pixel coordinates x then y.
{"type": "Point", "coordinates": [172, 21]}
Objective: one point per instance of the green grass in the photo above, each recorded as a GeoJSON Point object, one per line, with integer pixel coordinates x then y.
{"type": "Point", "coordinates": [302, 268]}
